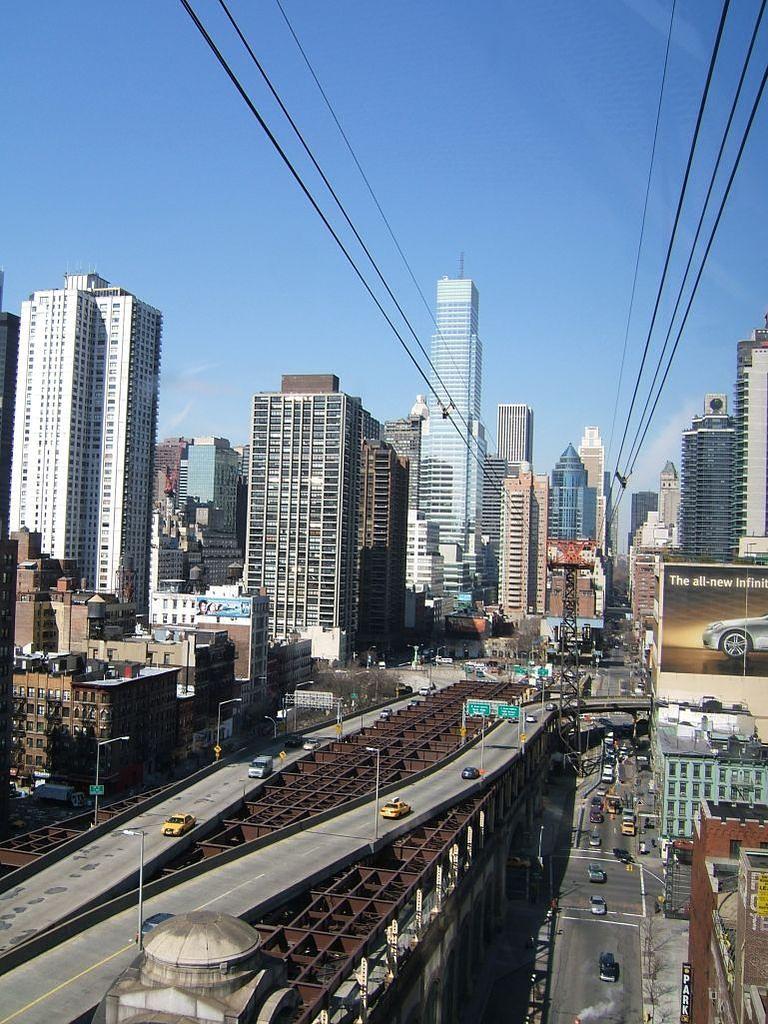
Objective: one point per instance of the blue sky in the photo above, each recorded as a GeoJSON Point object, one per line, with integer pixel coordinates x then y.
{"type": "Point", "coordinates": [518, 133]}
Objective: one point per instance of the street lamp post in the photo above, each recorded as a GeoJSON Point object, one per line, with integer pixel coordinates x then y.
{"type": "Point", "coordinates": [269, 718]}
{"type": "Point", "coordinates": [232, 700]}
{"type": "Point", "coordinates": [307, 682]}
{"type": "Point", "coordinates": [99, 745]}
{"type": "Point", "coordinates": [482, 746]}
{"type": "Point", "coordinates": [139, 832]}
{"type": "Point", "coordinates": [377, 752]}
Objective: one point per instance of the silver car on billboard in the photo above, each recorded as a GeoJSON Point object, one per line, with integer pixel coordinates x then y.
{"type": "Point", "coordinates": [737, 637]}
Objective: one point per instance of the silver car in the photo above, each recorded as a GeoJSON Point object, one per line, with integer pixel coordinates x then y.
{"type": "Point", "coordinates": [736, 637]}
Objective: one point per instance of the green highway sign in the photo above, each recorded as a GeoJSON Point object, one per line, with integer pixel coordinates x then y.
{"type": "Point", "coordinates": [96, 790]}
{"type": "Point", "coordinates": [510, 711]}
{"type": "Point", "coordinates": [478, 708]}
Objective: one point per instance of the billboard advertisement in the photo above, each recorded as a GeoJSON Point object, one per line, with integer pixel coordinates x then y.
{"type": "Point", "coordinates": [214, 607]}
{"type": "Point", "coordinates": [714, 619]}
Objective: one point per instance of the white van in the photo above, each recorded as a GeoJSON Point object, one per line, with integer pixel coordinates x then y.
{"type": "Point", "coordinates": [260, 767]}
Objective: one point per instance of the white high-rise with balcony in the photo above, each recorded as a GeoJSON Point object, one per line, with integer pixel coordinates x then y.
{"type": "Point", "coordinates": [86, 415]}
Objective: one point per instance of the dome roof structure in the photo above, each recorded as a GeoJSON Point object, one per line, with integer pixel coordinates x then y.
{"type": "Point", "coordinates": [201, 939]}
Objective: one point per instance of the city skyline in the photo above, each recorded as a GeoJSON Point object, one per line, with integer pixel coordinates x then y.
{"type": "Point", "coordinates": [565, 120]}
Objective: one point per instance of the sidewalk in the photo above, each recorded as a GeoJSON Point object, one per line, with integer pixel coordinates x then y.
{"type": "Point", "coordinates": [663, 948]}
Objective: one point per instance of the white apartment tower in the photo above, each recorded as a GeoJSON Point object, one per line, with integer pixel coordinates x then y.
{"type": "Point", "coordinates": [751, 453]}
{"type": "Point", "coordinates": [303, 509]}
{"type": "Point", "coordinates": [514, 433]}
{"type": "Point", "coordinates": [86, 417]}
{"type": "Point", "coordinates": [592, 454]}
{"type": "Point", "coordinates": [424, 563]}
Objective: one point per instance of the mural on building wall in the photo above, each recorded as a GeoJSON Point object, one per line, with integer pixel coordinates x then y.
{"type": "Point", "coordinates": [715, 619]}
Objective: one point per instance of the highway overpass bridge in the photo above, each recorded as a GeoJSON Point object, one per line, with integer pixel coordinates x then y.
{"type": "Point", "coordinates": [429, 892]}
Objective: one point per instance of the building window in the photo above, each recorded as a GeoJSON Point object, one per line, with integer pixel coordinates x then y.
{"type": "Point", "coordinates": [707, 771]}
{"type": "Point", "coordinates": [673, 767]}
{"type": "Point", "coordinates": [735, 846]}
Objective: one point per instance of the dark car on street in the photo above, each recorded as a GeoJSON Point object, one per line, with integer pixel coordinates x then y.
{"type": "Point", "coordinates": [293, 742]}
{"type": "Point", "coordinates": [470, 773]}
{"type": "Point", "coordinates": [623, 855]}
{"type": "Point", "coordinates": [609, 969]}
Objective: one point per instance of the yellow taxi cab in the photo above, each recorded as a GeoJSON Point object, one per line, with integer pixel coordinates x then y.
{"type": "Point", "coordinates": [178, 824]}
{"type": "Point", "coordinates": [395, 809]}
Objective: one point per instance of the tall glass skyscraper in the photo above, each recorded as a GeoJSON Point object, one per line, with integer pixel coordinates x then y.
{"type": "Point", "coordinates": [572, 503]}
{"type": "Point", "coordinates": [451, 478]}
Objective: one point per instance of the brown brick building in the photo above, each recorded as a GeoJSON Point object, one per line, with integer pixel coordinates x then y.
{"type": "Point", "coordinates": [383, 544]}
{"type": "Point", "coordinates": [63, 706]}
{"type": "Point", "coordinates": [722, 832]}
{"type": "Point", "coordinates": [7, 603]}
{"type": "Point", "coordinates": [53, 612]}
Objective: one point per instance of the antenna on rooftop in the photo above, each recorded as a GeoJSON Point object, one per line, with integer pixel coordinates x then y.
{"type": "Point", "coordinates": [461, 265]}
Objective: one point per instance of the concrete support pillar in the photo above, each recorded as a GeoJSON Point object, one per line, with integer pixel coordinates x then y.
{"type": "Point", "coordinates": [419, 912]}
{"type": "Point", "coordinates": [470, 844]}
{"type": "Point", "coordinates": [362, 980]}
{"type": "Point", "coordinates": [454, 866]}
{"type": "Point", "coordinates": [439, 888]}
{"type": "Point", "coordinates": [392, 936]}
{"type": "Point", "coordinates": [482, 829]}
{"type": "Point", "coordinates": [322, 1018]}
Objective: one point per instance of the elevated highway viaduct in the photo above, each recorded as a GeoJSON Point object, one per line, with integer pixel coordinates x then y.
{"type": "Point", "coordinates": [460, 882]}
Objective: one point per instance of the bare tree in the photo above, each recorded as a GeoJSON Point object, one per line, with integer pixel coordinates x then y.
{"type": "Point", "coordinates": [651, 982]}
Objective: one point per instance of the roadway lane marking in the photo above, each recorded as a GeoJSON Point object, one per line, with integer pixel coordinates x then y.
{"type": "Point", "coordinates": [610, 913]}
{"type": "Point", "coordinates": [223, 894]}
{"type": "Point", "coordinates": [642, 888]}
{"type": "Point", "coordinates": [75, 977]}
{"type": "Point", "coordinates": [592, 920]}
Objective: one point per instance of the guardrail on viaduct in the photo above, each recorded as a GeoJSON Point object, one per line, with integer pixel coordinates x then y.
{"type": "Point", "coordinates": [396, 938]}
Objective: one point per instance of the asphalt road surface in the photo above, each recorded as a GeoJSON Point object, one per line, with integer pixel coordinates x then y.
{"type": "Point", "coordinates": [576, 991]}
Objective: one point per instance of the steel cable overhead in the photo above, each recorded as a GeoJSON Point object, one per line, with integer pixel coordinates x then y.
{"type": "Point", "coordinates": [642, 226]}
{"type": "Point", "coordinates": [673, 234]}
{"type": "Point", "coordinates": [710, 241]}
{"type": "Point", "coordinates": [329, 227]}
{"type": "Point", "coordinates": [370, 189]}
{"type": "Point", "coordinates": [607, 502]}
{"type": "Point", "coordinates": [448, 401]}
{"type": "Point", "coordinates": [705, 207]}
